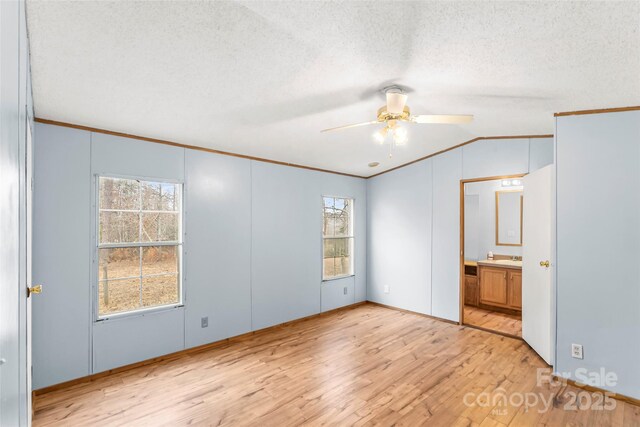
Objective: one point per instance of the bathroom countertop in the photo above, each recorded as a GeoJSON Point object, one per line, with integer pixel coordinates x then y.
{"type": "Point", "coordinates": [505, 263]}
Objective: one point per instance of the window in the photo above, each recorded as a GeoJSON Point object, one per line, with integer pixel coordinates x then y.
{"type": "Point", "coordinates": [139, 245]}
{"type": "Point", "coordinates": [337, 237]}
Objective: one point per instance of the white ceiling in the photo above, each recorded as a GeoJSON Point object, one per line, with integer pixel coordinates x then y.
{"type": "Point", "coordinates": [263, 78]}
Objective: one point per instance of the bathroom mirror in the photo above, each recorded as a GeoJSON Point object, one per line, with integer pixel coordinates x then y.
{"type": "Point", "coordinates": [509, 218]}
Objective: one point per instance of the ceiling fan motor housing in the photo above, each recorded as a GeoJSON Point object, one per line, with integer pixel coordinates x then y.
{"type": "Point", "coordinates": [384, 115]}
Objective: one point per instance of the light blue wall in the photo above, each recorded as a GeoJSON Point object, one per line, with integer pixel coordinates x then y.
{"type": "Point", "coordinates": [286, 248]}
{"type": "Point", "coordinates": [598, 208]}
{"type": "Point", "coordinates": [218, 246]}
{"type": "Point", "coordinates": [61, 254]}
{"type": "Point", "coordinates": [16, 114]}
{"type": "Point", "coordinates": [145, 335]}
{"type": "Point", "coordinates": [445, 246]}
{"type": "Point", "coordinates": [252, 250]}
{"type": "Point", "coordinates": [415, 211]}
{"type": "Point", "coordinates": [399, 231]}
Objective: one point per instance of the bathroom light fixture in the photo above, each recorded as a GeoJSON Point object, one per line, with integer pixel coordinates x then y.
{"type": "Point", "coordinates": [511, 182]}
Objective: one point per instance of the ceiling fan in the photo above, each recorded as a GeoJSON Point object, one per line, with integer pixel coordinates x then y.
{"type": "Point", "coordinates": [397, 111]}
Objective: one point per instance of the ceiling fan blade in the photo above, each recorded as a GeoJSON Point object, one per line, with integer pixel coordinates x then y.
{"type": "Point", "coordinates": [351, 126]}
{"type": "Point", "coordinates": [450, 119]}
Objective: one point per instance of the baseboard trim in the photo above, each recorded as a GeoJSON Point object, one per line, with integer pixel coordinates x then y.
{"type": "Point", "coordinates": [185, 352]}
{"type": "Point", "coordinates": [593, 389]}
{"type": "Point", "coordinates": [413, 312]}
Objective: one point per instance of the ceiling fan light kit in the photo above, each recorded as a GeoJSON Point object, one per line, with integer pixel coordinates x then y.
{"type": "Point", "coordinates": [396, 111]}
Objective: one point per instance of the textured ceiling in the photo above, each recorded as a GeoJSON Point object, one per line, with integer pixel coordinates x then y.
{"type": "Point", "coordinates": [263, 78]}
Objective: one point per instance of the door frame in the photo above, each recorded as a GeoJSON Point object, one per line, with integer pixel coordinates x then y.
{"type": "Point", "coordinates": [461, 262]}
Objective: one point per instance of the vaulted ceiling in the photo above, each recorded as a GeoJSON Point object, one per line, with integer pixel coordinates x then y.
{"type": "Point", "coordinates": [263, 78]}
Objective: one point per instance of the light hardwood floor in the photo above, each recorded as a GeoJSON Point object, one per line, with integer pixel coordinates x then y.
{"type": "Point", "coordinates": [362, 366]}
{"type": "Point", "coordinates": [494, 320]}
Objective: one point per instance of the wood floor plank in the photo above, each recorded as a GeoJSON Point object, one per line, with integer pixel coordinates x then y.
{"type": "Point", "coordinates": [494, 320]}
{"type": "Point", "coordinates": [367, 366]}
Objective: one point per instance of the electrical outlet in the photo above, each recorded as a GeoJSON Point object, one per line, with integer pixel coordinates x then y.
{"type": "Point", "coordinates": [204, 322]}
{"type": "Point", "coordinates": [345, 290]}
{"type": "Point", "coordinates": [386, 289]}
{"type": "Point", "coordinates": [576, 351]}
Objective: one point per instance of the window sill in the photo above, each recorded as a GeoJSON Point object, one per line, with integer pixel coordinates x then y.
{"type": "Point", "coordinates": [138, 313]}
{"type": "Point", "coordinates": [331, 279]}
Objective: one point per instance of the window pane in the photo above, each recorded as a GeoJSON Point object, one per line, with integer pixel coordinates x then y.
{"type": "Point", "coordinates": [159, 196]}
{"type": "Point", "coordinates": [343, 257]}
{"type": "Point", "coordinates": [160, 290]}
{"type": "Point", "coordinates": [119, 227]}
{"type": "Point", "coordinates": [342, 215]}
{"type": "Point", "coordinates": [116, 193]}
{"type": "Point", "coordinates": [337, 257]}
{"type": "Point", "coordinates": [160, 227]}
{"type": "Point", "coordinates": [115, 296]}
{"type": "Point", "coordinates": [160, 260]}
{"type": "Point", "coordinates": [328, 269]}
{"type": "Point", "coordinates": [328, 225]}
{"type": "Point", "coordinates": [118, 263]}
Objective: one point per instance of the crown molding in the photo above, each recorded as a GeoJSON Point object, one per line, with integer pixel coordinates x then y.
{"type": "Point", "coordinates": [597, 111]}
{"type": "Point", "coordinates": [276, 162]}
{"type": "Point", "coordinates": [192, 147]}
{"type": "Point", "coordinates": [480, 138]}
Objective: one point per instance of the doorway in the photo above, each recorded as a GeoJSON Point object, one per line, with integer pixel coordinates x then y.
{"type": "Point", "coordinates": [506, 263]}
{"type": "Point", "coordinates": [491, 214]}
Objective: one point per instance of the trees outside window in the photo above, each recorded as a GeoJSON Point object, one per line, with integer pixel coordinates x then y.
{"type": "Point", "coordinates": [338, 237]}
{"type": "Point", "coordinates": [139, 244]}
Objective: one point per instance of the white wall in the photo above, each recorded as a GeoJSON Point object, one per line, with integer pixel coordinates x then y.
{"type": "Point", "coordinates": [16, 114]}
{"type": "Point", "coordinates": [252, 250]}
{"type": "Point", "coordinates": [414, 221]}
{"type": "Point", "coordinates": [598, 208]}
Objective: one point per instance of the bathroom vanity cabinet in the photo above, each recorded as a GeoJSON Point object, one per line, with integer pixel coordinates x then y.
{"type": "Point", "coordinates": [500, 284]}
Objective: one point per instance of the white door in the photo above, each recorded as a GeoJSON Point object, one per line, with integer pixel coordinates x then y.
{"type": "Point", "coordinates": [536, 263]}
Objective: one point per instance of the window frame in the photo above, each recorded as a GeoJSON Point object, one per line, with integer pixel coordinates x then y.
{"type": "Point", "coordinates": [352, 236]}
{"type": "Point", "coordinates": [96, 246]}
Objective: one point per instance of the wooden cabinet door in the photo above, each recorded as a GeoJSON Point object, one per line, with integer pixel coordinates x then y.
{"type": "Point", "coordinates": [515, 289]}
{"type": "Point", "coordinates": [493, 286]}
{"type": "Point", "coordinates": [470, 290]}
